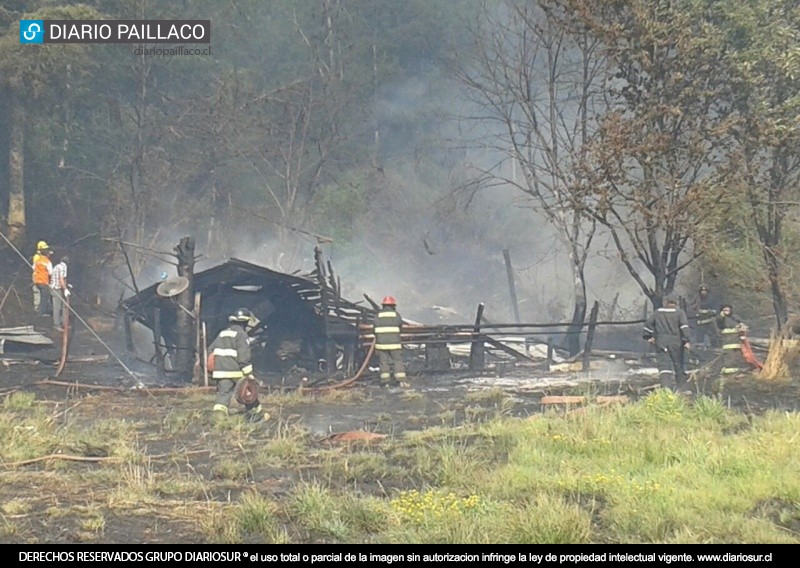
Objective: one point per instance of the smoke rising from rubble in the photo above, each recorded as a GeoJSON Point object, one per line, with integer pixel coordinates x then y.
{"type": "Point", "coordinates": [438, 259]}
{"type": "Point", "coordinates": [416, 242]}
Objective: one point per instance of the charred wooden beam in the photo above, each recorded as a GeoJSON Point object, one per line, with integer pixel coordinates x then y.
{"type": "Point", "coordinates": [372, 303]}
{"type": "Point", "coordinates": [186, 318]}
{"type": "Point", "coordinates": [509, 350]}
{"type": "Point", "coordinates": [199, 362]}
{"type": "Point", "coordinates": [159, 355]}
{"type": "Point", "coordinates": [512, 288]}
{"type": "Point", "coordinates": [128, 332]}
{"type": "Point", "coordinates": [330, 357]}
{"type": "Point", "coordinates": [477, 353]}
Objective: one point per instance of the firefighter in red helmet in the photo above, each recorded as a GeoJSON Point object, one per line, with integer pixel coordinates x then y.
{"type": "Point", "coordinates": [388, 324]}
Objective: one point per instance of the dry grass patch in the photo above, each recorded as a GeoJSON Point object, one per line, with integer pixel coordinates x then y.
{"type": "Point", "coordinates": [782, 357]}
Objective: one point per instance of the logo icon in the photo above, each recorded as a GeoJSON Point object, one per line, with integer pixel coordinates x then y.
{"type": "Point", "coordinates": [31, 31]}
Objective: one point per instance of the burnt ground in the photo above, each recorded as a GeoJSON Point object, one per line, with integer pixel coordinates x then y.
{"type": "Point", "coordinates": [443, 399]}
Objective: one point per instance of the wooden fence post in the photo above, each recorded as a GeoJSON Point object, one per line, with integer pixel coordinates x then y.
{"type": "Point", "coordinates": [161, 371]}
{"type": "Point", "coordinates": [128, 333]}
{"type": "Point", "coordinates": [477, 351]}
{"type": "Point", "coordinates": [512, 288]}
{"type": "Point", "coordinates": [587, 346]}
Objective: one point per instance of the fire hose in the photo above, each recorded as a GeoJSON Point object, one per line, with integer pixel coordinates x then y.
{"type": "Point", "coordinates": [346, 382]}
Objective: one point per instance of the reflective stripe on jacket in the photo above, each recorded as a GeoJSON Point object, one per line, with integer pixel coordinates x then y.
{"type": "Point", "coordinates": [231, 351]}
{"type": "Point", "coordinates": [668, 326]}
{"type": "Point", "coordinates": [729, 331]}
{"type": "Point", "coordinates": [706, 316]}
{"type": "Point", "coordinates": [387, 330]}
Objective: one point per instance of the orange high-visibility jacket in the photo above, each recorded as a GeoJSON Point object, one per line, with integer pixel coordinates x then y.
{"type": "Point", "coordinates": [42, 267]}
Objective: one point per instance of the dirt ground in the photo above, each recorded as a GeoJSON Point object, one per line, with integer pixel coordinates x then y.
{"type": "Point", "coordinates": [435, 400]}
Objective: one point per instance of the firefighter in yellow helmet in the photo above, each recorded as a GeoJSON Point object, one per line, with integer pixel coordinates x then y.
{"type": "Point", "coordinates": [388, 324]}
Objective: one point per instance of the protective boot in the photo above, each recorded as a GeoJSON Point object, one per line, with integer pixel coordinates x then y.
{"type": "Point", "coordinates": [254, 415]}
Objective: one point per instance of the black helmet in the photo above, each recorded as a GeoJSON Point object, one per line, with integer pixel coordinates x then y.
{"type": "Point", "coordinates": [703, 288]}
{"type": "Point", "coordinates": [670, 299]}
{"type": "Point", "coordinates": [242, 315]}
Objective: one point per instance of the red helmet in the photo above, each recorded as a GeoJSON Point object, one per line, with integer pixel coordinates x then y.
{"type": "Point", "coordinates": [389, 301]}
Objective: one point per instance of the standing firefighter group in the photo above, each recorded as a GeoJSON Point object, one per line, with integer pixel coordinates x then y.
{"type": "Point", "coordinates": [668, 330]}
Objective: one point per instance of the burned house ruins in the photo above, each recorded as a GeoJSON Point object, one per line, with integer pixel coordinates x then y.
{"type": "Point", "coordinates": [303, 320]}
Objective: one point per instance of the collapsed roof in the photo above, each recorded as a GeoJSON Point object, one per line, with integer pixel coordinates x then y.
{"type": "Point", "coordinates": [290, 309]}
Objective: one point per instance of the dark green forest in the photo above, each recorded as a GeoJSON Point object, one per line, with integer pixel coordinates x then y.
{"type": "Point", "coordinates": [619, 150]}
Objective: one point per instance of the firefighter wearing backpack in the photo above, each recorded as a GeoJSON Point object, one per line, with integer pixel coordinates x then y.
{"type": "Point", "coordinates": [232, 364]}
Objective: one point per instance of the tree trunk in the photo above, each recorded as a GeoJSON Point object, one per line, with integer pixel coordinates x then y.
{"type": "Point", "coordinates": [573, 339]}
{"type": "Point", "coordinates": [778, 296]}
{"type": "Point", "coordinates": [16, 162]}
{"type": "Point", "coordinates": [184, 358]}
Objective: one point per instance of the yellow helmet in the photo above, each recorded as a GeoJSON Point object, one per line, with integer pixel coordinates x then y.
{"type": "Point", "coordinates": [41, 245]}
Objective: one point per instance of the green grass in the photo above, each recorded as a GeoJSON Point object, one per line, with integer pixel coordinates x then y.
{"type": "Point", "coordinates": [661, 470]}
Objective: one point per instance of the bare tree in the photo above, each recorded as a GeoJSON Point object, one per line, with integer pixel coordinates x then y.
{"type": "Point", "coordinates": [655, 168]}
{"type": "Point", "coordinates": [764, 78]}
{"type": "Point", "coordinates": [534, 79]}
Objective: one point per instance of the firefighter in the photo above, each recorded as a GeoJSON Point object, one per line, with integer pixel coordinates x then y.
{"type": "Point", "coordinates": [41, 246]}
{"type": "Point", "coordinates": [705, 323]}
{"type": "Point", "coordinates": [733, 332]}
{"type": "Point", "coordinates": [232, 363]}
{"type": "Point", "coordinates": [668, 330]}
{"type": "Point", "coordinates": [42, 269]}
{"type": "Point", "coordinates": [387, 326]}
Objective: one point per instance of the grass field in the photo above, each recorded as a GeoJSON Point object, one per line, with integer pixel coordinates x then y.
{"type": "Point", "coordinates": [663, 469]}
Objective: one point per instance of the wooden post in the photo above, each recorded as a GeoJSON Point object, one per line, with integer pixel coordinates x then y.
{"type": "Point", "coordinates": [549, 353]}
{"type": "Point", "coordinates": [330, 362]}
{"type": "Point", "coordinates": [205, 355]}
{"type": "Point", "coordinates": [587, 346]}
{"type": "Point", "coordinates": [644, 317]}
{"type": "Point", "coordinates": [437, 356]}
{"type": "Point", "coordinates": [162, 374]}
{"type": "Point", "coordinates": [477, 352]}
{"type": "Point", "coordinates": [186, 333]}
{"type": "Point", "coordinates": [198, 351]}
{"type": "Point", "coordinates": [512, 288]}
{"type": "Point", "coordinates": [128, 333]}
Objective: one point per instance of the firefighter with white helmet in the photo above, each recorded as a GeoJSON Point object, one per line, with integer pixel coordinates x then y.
{"type": "Point", "coordinates": [232, 367]}
{"type": "Point", "coordinates": [388, 324]}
